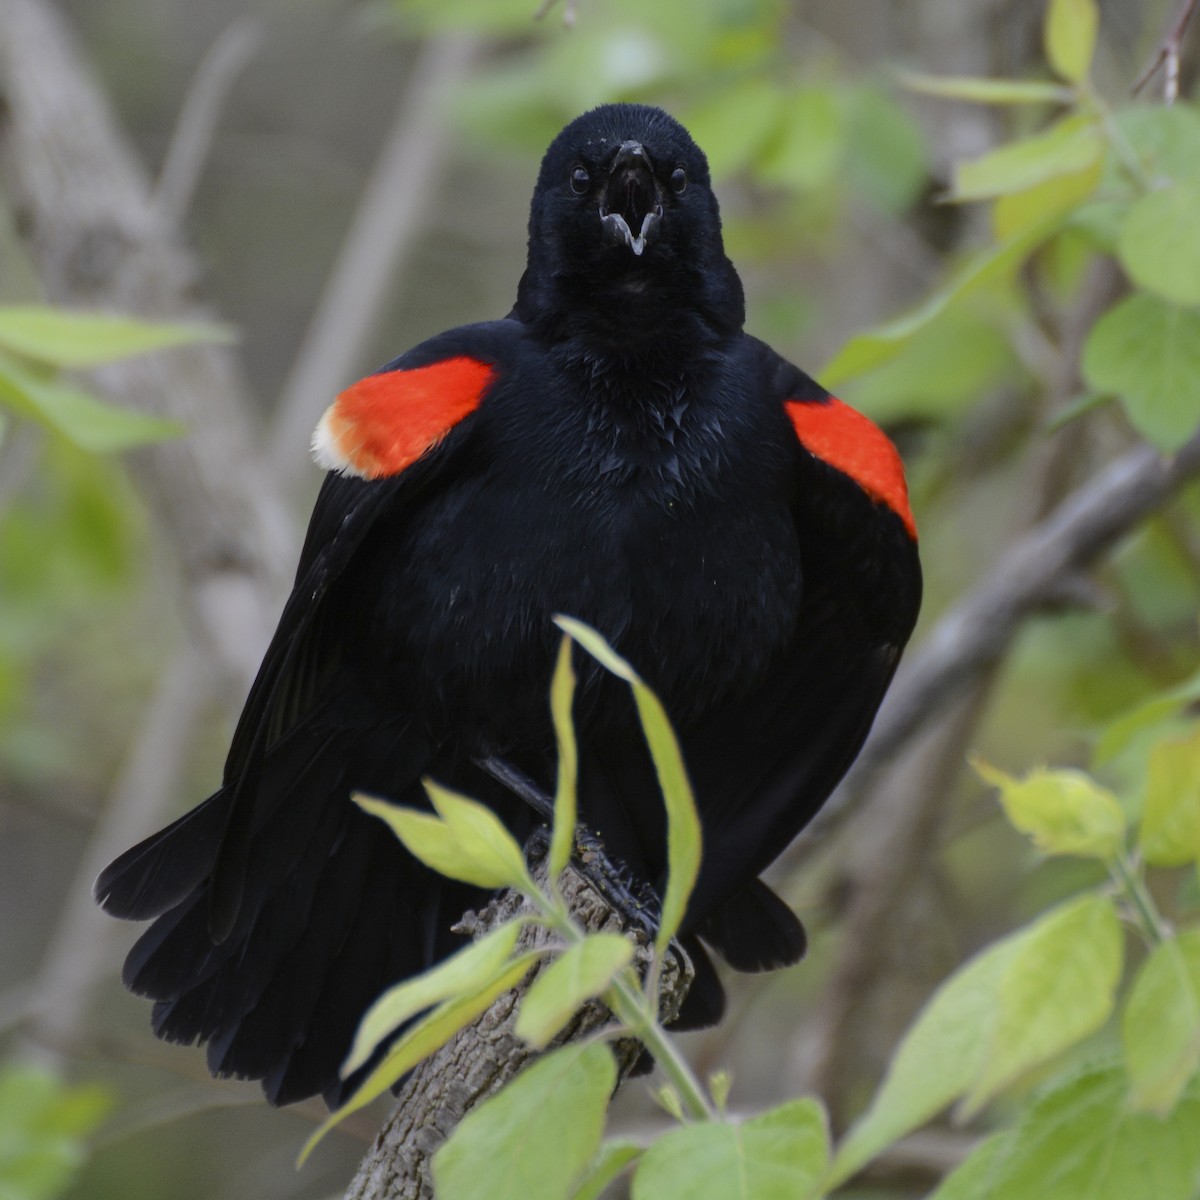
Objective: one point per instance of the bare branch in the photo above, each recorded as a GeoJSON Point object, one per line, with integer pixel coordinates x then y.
{"type": "Point", "coordinates": [977, 631]}
{"type": "Point", "coordinates": [1168, 55]}
{"type": "Point", "coordinates": [214, 79]}
{"type": "Point", "coordinates": [382, 237]}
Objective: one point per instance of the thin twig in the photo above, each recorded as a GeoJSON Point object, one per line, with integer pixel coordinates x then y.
{"type": "Point", "coordinates": [1168, 55]}
{"type": "Point", "coordinates": [383, 234]}
{"type": "Point", "coordinates": [210, 87]}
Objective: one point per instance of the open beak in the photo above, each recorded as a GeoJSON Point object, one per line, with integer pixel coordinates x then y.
{"type": "Point", "coordinates": [631, 200]}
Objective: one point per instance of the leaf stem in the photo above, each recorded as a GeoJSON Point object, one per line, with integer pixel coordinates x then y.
{"type": "Point", "coordinates": [1149, 920]}
{"type": "Point", "coordinates": [629, 1005]}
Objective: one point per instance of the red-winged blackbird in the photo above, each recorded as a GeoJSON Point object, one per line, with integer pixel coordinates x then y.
{"type": "Point", "coordinates": [617, 449]}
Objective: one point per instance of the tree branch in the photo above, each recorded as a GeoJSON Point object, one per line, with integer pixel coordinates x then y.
{"type": "Point", "coordinates": [382, 237]}
{"type": "Point", "coordinates": [483, 1057]}
{"type": "Point", "coordinates": [976, 632]}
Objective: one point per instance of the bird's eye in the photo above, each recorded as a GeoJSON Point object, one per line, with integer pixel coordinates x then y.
{"type": "Point", "coordinates": [580, 180]}
{"type": "Point", "coordinates": [678, 180]}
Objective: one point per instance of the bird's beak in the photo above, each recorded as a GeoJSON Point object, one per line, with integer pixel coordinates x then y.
{"type": "Point", "coordinates": [631, 200]}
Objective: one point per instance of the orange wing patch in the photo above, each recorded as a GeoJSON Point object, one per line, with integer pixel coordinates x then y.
{"type": "Point", "coordinates": [385, 422]}
{"type": "Point", "coordinates": [853, 444]}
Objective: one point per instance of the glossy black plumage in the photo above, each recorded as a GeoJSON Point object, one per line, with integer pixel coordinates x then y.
{"type": "Point", "coordinates": [631, 462]}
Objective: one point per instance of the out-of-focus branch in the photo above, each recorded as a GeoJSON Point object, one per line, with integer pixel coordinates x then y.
{"type": "Point", "coordinates": [81, 948]}
{"type": "Point", "coordinates": [97, 240]}
{"type": "Point", "coordinates": [1168, 55]}
{"type": "Point", "coordinates": [217, 73]}
{"type": "Point", "coordinates": [382, 237]}
{"type": "Point", "coordinates": [1027, 578]}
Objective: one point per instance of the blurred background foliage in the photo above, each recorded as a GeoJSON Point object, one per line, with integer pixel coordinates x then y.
{"type": "Point", "coordinates": [833, 181]}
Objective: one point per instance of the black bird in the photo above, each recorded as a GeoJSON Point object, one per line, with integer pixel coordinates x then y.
{"type": "Point", "coordinates": [617, 449]}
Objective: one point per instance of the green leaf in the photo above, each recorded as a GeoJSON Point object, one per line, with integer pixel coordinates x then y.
{"type": "Point", "coordinates": [468, 843]}
{"type": "Point", "coordinates": [1161, 1025]}
{"type": "Point", "coordinates": [971, 1179]}
{"type": "Point", "coordinates": [1064, 812]}
{"type": "Point", "coordinates": [1071, 146]}
{"type": "Point", "coordinates": [83, 420]}
{"type": "Point", "coordinates": [1059, 197]}
{"type": "Point", "coordinates": [1170, 829]}
{"type": "Point", "coordinates": [611, 1159]}
{"type": "Point", "coordinates": [43, 1122]}
{"type": "Point", "coordinates": [1160, 243]}
{"type": "Point", "coordinates": [1081, 1141]}
{"type": "Point", "coordinates": [1166, 139]}
{"type": "Point", "coordinates": [562, 697]}
{"type": "Point", "coordinates": [807, 151]}
{"type": "Point", "coordinates": [737, 123]}
{"type": "Point", "coordinates": [89, 339]}
{"type": "Point", "coordinates": [1147, 352]}
{"type": "Point", "coordinates": [1070, 37]}
{"type": "Point", "coordinates": [780, 1155]}
{"type": "Point", "coordinates": [1044, 986]}
{"type": "Point", "coordinates": [683, 823]}
{"type": "Point", "coordinates": [583, 971]}
{"type": "Point", "coordinates": [987, 91]}
{"type": "Point", "coordinates": [533, 1139]}
{"type": "Point", "coordinates": [463, 973]}
{"type": "Point", "coordinates": [1060, 987]}
{"type": "Point", "coordinates": [885, 152]}
{"type": "Point", "coordinates": [421, 1040]}
{"type": "Point", "coordinates": [872, 349]}
{"type": "Point", "coordinates": [1123, 729]}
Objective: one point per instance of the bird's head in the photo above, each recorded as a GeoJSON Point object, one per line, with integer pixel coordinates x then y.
{"type": "Point", "coordinates": [623, 222]}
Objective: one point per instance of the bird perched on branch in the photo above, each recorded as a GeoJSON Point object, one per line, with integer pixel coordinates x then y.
{"type": "Point", "coordinates": [616, 449]}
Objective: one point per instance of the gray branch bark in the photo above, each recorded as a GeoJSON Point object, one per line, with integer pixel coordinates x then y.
{"type": "Point", "coordinates": [482, 1058]}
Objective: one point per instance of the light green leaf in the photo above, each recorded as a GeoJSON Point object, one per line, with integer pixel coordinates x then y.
{"type": "Point", "coordinates": [1165, 138]}
{"type": "Point", "coordinates": [885, 156]}
{"type": "Point", "coordinates": [43, 1123]}
{"type": "Point", "coordinates": [580, 973]}
{"type": "Point", "coordinates": [611, 1159]}
{"type": "Point", "coordinates": [1081, 1141]}
{"type": "Point", "coordinates": [987, 91]}
{"type": "Point", "coordinates": [808, 148]}
{"type": "Point", "coordinates": [468, 842]}
{"type": "Point", "coordinates": [83, 420]}
{"type": "Point", "coordinates": [869, 350]}
{"type": "Point", "coordinates": [1070, 37]}
{"type": "Point", "coordinates": [1058, 197]}
{"type": "Point", "coordinates": [1123, 729]}
{"type": "Point", "coordinates": [1064, 812]}
{"type": "Point", "coordinates": [780, 1155]}
{"type": "Point", "coordinates": [1160, 243]}
{"type": "Point", "coordinates": [971, 1179]}
{"type": "Point", "coordinates": [1060, 987]}
{"type": "Point", "coordinates": [89, 339]}
{"type": "Point", "coordinates": [1147, 352]}
{"type": "Point", "coordinates": [532, 1140]}
{"type": "Point", "coordinates": [1161, 1025]}
{"type": "Point", "coordinates": [1071, 146]}
{"type": "Point", "coordinates": [465, 972]}
{"type": "Point", "coordinates": [1170, 830]}
{"type": "Point", "coordinates": [562, 696]}
{"type": "Point", "coordinates": [683, 823]}
{"type": "Point", "coordinates": [421, 1040]}
{"type": "Point", "coordinates": [954, 1046]}
{"type": "Point", "coordinates": [735, 124]}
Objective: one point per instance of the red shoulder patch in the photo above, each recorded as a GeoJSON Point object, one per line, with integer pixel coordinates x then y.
{"type": "Point", "coordinates": [853, 444]}
{"type": "Point", "coordinates": [385, 422]}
